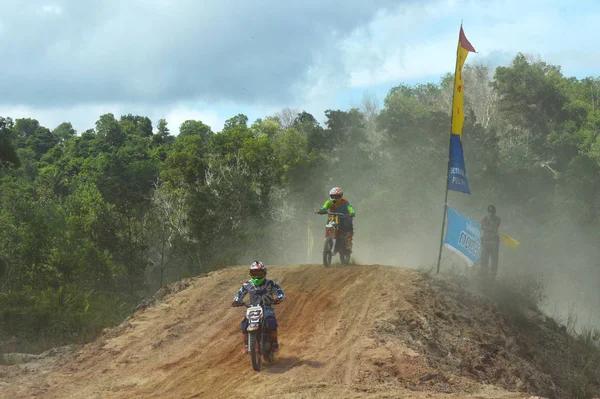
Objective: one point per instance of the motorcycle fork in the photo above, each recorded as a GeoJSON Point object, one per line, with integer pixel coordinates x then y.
{"type": "Point", "coordinates": [336, 240]}
{"type": "Point", "coordinates": [331, 234]}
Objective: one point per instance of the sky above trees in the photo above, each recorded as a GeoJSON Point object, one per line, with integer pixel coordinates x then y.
{"type": "Point", "coordinates": [74, 60]}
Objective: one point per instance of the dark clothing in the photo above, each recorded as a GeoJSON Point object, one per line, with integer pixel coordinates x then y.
{"type": "Point", "coordinates": [266, 293]}
{"type": "Point", "coordinates": [271, 323]}
{"type": "Point", "coordinates": [489, 227]}
{"type": "Point", "coordinates": [489, 250]}
{"type": "Point", "coordinates": [490, 244]}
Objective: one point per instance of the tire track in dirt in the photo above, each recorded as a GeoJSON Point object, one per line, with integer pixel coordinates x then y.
{"type": "Point", "coordinates": [189, 345]}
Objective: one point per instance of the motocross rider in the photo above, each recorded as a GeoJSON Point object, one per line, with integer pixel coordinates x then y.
{"type": "Point", "coordinates": [261, 289]}
{"type": "Point", "coordinates": [338, 204]}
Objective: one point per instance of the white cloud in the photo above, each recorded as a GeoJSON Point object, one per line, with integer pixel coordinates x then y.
{"type": "Point", "coordinates": [164, 63]}
{"type": "Point", "coordinates": [154, 52]}
{"type": "Point", "coordinates": [415, 42]}
{"type": "Point", "coordinates": [52, 9]}
{"type": "Point", "coordinates": [176, 116]}
{"type": "Point", "coordinates": [82, 117]}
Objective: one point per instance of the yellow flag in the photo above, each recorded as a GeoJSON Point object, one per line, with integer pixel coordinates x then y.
{"type": "Point", "coordinates": [509, 241]}
{"type": "Point", "coordinates": [458, 115]}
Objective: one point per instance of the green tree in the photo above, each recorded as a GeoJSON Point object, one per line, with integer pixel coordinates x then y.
{"type": "Point", "coordinates": [64, 132]}
{"type": "Point", "coordinates": [8, 154]}
{"type": "Point", "coordinates": [110, 131]}
{"type": "Point", "coordinates": [532, 98]}
{"type": "Point", "coordinates": [195, 128]}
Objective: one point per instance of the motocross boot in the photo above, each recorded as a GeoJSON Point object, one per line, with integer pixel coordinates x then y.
{"type": "Point", "coordinates": [245, 350]}
{"type": "Point", "coordinates": [274, 343]}
{"type": "Point", "coordinates": [349, 236]}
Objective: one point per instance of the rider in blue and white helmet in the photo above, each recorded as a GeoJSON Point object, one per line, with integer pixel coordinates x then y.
{"type": "Point", "coordinates": [262, 291]}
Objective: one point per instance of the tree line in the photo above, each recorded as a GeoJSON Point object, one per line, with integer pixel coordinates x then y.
{"type": "Point", "coordinates": [92, 222]}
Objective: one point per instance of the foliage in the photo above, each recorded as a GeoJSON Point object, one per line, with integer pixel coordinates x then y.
{"type": "Point", "coordinates": [58, 317]}
{"type": "Point", "coordinates": [121, 209]}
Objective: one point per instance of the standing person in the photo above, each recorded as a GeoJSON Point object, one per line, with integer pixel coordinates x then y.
{"type": "Point", "coordinates": [490, 242]}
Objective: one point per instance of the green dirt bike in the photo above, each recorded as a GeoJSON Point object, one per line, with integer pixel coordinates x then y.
{"type": "Point", "coordinates": [335, 240]}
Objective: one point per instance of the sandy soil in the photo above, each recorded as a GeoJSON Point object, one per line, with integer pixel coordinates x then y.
{"type": "Point", "coordinates": [339, 338]}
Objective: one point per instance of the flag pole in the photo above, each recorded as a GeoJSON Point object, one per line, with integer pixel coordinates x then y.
{"type": "Point", "coordinates": [448, 166]}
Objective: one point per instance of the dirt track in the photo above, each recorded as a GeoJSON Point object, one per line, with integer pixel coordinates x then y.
{"type": "Point", "coordinates": [189, 345]}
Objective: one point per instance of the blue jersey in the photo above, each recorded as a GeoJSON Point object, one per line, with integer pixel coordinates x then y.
{"type": "Point", "coordinates": [266, 293]}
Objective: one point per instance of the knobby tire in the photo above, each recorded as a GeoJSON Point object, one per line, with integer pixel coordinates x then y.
{"type": "Point", "coordinates": [254, 351]}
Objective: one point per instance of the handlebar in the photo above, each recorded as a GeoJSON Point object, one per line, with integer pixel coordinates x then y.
{"type": "Point", "coordinates": [246, 305]}
{"type": "Point", "coordinates": [351, 215]}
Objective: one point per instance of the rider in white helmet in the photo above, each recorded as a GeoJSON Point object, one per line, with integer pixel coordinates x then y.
{"type": "Point", "coordinates": [337, 203]}
{"type": "Point", "coordinates": [262, 291]}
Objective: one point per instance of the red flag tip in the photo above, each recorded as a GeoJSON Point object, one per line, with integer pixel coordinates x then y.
{"type": "Point", "coordinates": [464, 42]}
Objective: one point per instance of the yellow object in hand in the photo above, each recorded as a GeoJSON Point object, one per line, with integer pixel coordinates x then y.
{"type": "Point", "coordinates": [509, 241]}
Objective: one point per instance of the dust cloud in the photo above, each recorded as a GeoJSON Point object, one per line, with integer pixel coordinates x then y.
{"type": "Point", "coordinates": [398, 198]}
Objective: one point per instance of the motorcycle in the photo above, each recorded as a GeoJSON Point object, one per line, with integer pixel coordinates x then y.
{"type": "Point", "coordinates": [335, 240]}
{"type": "Point", "coordinates": [259, 337]}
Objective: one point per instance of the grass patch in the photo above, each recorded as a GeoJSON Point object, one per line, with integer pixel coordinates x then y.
{"type": "Point", "coordinates": [34, 321]}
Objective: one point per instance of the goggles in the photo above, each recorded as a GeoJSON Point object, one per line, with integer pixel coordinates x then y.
{"type": "Point", "coordinates": [257, 273]}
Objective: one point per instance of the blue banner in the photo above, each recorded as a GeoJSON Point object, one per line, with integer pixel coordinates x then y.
{"type": "Point", "coordinates": [463, 237]}
{"type": "Point", "coordinates": [457, 173]}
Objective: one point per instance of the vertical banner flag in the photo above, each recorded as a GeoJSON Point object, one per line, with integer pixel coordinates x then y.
{"type": "Point", "coordinates": [457, 174]}
{"type": "Point", "coordinates": [463, 237]}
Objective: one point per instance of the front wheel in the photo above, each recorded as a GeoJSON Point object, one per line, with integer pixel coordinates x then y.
{"type": "Point", "coordinates": [327, 252]}
{"type": "Point", "coordinates": [254, 350]}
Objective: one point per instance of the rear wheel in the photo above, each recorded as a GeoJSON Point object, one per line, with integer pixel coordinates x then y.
{"type": "Point", "coordinates": [327, 247]}
{"type": "Point", "coordinates": [267, 348]}
{"type": "Point", "coordinates": [345, 257]}
{"type": "Point", "coordinates": [341, 248]}
{"type": "Point", "coordinates": [254, 350]}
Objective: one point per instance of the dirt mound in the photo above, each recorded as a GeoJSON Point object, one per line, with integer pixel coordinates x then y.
{"type": "Point", "coordinates": [345, 332]}
{"type": "Point", "coordinates": [466, 333]}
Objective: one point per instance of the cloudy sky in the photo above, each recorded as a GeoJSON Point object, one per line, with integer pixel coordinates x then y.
{"type": "Point", "coordinates": [73, 60]}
